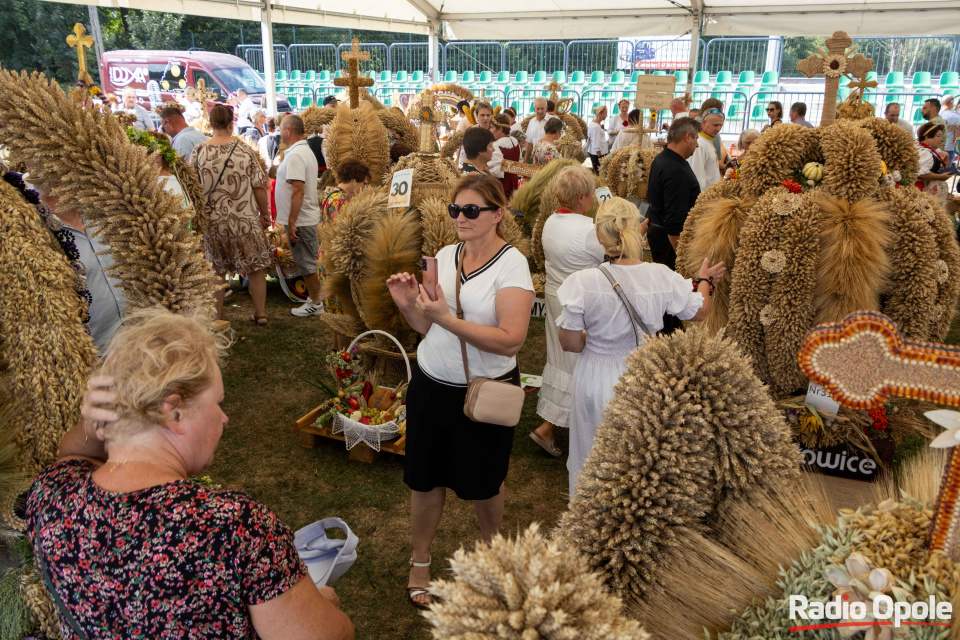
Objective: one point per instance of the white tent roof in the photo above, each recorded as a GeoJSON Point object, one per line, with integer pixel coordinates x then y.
{"type": "Point", "coordinates": [563, 19]}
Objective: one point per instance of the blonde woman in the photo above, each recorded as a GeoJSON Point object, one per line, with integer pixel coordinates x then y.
{"type": "Point", "coordinates": [118, 507]}
{"type": "Point", "coordinates": [445, 449]}
{"type": "Point", "coordinates": [569, 245]}
{"type": "Point", "coordinates": [596, 324]}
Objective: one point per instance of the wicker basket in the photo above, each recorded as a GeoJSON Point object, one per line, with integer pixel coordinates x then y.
{"type": "Point", "coordinates": [372, 435]}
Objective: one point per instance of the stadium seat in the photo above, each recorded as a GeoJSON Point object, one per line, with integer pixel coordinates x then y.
{"type": "Point", "coordinates": [660, 72]}
{"type": "Point", "coordinates": [894, 82]}
{"type": "Point", "coordinates": [724, 80]}
{"type": "Point", "coordinates": [371, 74]}
{"type": "Point", "coordinates": [681, 77]}
{"type": "Point", "coordinates": [634, 76]}
{"type": "Point", "coordinates": [758, 114]}
{"type": "Point", "coordinates": [918, 118]}
{"type": "Point", "coordinates": [417, 77]}
{"type": "Point", "coordinates": [617, 77]}
{"type": "Point", "coordinates": [485, 78]}
{"type": "Point", "coordinates": [521, 78]}
{"type": "Point", "coordinates": [450, 76]}
{"type": "Point", "coordinates": [770, 80]}
{"type": "Point", "coordinates": [503, 78]}
{"type": "Point", "coordinates": [401, 77]}
{"type": "Point", "coordinates": [949, 80]}
{"type": "Point", "coordinates": [384, 77]}
{"type": "Point", "coordinates": [324, 76]}
{"type": "Point", "coordinates": [468, 78]}
{"type": "Point", "coordinates": [701, 79]}
{"type": "Point", "coordinates": [578, 78]}
{"type": "Point", "coordinates": [596, 78]}
{"type": "Point", "coordinates": [295, 75]}
{"type": "Point", "coordinates": [540, 77]}
{"type": "Point", "coordinates": [281, 76]}
{"type": "Point", "coordinates": [338, 74]}
{"type": "Point", "coordinates": [560, 76]}
{"type": "Point", "coordinates": [920, 81]}
{"type": "Point", "coordinates": [747, 78]}
{"type": "Point", "coordinates": [310, 76]}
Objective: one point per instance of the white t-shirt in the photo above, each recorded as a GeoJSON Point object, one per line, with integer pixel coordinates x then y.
{"type": "Point", "coordinates": [569, 245]}
{"type": "Point", "coordinates": [535, 129]}
{"type": "Point", "coordinates": [506, 142]}
{"type": "Point", "coordinates": [247, 107]}
{"type": "Point", "coordinates": [596, 139]}
{"type": "Point", "coordinates": [627, 138]}
{"type": "Point", "coordinates": [704, 164]}
{"type": "Point", "coordinates": [300, 164]}
{"type": "Point", "coordinates": [439, 354]}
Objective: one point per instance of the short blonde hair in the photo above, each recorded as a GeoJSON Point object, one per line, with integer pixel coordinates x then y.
{"type": "Point", "coordinates": [154, 354]}
{"type": "Point", "coordinates": [572, 182]}
{"type": "Point", "coordinates": [618, 229]}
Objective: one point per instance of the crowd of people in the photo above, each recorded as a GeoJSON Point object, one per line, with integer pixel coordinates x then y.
{"type": "Point", "coordinates": [117, 507]}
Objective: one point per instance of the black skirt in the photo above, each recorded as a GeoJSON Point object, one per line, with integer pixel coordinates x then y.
{"type": "Point", "coordinates": [444, 448]}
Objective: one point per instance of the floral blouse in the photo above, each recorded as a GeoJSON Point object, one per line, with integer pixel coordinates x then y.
{"type": "Point", "coordinates": [178, 560]}
{"type": "Point", "coordinates": [544, 152]}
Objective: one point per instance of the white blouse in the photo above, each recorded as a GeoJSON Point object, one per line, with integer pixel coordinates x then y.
{"type": "Point", "coordinates": [439, 354]}
{"type": "Point", "coordinates": [596, 139]}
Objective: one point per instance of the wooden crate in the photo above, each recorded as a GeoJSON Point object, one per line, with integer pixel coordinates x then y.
{"type": "Point", "coordinates": [310, 438]}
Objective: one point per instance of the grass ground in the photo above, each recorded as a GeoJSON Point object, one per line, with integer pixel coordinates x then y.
{"type": "Point", "coordinates": [265, 378]}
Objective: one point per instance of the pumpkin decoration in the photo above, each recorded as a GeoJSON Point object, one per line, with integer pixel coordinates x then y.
{"type": "Point", "coordinates": [813, 171]}
{"type": "Point", "coordinates": [883, 168]}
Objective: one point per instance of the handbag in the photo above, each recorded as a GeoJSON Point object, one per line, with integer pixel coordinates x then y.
{"type": "Point", "coordinates": [490, 401]}
{"type": "Point", "coordinates": [635, 320]}
{"type": "Point", "coordinates": [326, 558]}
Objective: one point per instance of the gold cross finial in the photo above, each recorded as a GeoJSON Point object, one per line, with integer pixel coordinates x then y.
{"type": "Point", "coordinates": [354, 80]}
{"type": "Point", "coordinates": [81, 41]}
{"type": "Point", "coordinates": [862, 84]}
{"type": "Point", "coordinates": [832, 64]}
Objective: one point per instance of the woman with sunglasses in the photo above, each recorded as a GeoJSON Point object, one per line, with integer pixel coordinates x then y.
{"type": "Point", "coordinates": [444, 448]}
{"type": "Point", "coordinates": [775, 113]}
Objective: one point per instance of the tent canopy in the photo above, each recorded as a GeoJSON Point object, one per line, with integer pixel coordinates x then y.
{"type": "Point", "coordinates": [567, 19]}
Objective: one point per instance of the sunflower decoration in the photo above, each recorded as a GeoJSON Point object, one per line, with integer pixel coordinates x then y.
{"type": "Point", "coordinates": [426, 113]}
{"type": "Point", "coordinates": [834, 65]}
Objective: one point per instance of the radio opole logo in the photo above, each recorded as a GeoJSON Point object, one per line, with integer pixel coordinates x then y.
{"type": "Point", "coordinates": [881, 611]}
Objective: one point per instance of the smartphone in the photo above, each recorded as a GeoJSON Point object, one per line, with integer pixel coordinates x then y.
{"type": "Point", "coordinates": [430, 277]}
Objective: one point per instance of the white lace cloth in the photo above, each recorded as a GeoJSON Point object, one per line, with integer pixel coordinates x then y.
{"type": "Point", "coordinates": [372, 435]}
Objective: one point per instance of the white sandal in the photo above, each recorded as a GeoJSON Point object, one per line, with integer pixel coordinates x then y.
{"type": "Point", "coordinates": [413, 592]}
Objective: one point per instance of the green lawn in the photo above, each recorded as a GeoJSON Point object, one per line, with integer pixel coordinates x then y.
{"type": "Point", "coordinates": [265, 377]}
{"type": "Point", "coordinates": [267, 390]}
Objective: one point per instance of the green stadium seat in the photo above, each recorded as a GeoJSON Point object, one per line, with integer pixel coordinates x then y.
{"type": "Point", "coordinates": [417, 77]}
{"type": "Point", "coordinates": [521, 78]}
{"type": "Point", "coordinates": [310, 76]}
{"type": "Point", "coordinates": [872, 76]}
{"type": "Point", "coordinates": [450, 76]}
{"type": "Point", "coordinates": [560, 76]}
{"type": "Point", "coordinates": [305, 102]}
{"type": "Point", "coordinates": [295, 75]}
{"type": "Point", "coordinates": [485, 78]}
{"type": "Point", "coordinates": [384, 77]}
{"type": "Point", "coordinates": [701, 78]}
{"type": "Point", "coordinates": [724, 80]}
{"type": "Point", "coordinates": [921, 80]}
{"type": "Point", "coordinates": [617, 77]}
{"type": "Point", "coordinates": [770, 79]}
{"type": "Point", "coordinates": [578, 78]}
{"type": "Point", "coordinates": [917, 117]}
{"type": "Point", "coordinates": [324, 76]}
{"type": "Point", "coordinates": [401, 77]}
{"type": "Point", "coordinates": [281, 76]}
{"type": "Point", "coordinates": [597, 77]}
{"type": "Point", "coordinates": [468, 78]}
{"type": "Point", "coordinates": [949, 80]}
{"type": "Point", "coordinates": [660, 72]}
{"type": "Point", "coordinates": [540, 77]}
{"type": "Point", "coordinates": [843, 92]}
{"type": "Point", "coordinates": [758, 113]}
{"type": "Point", "coordinates": [610, 93]}
{"type": "Point", "coordinates": [338, 74]}
{"type": "Point", "coordinates": [503, 78]}
{"type": "Point", "coordinates": [681, 77]}
{"type": "Point", "coordinates": [371, 74]}
{"type": "Point", "coordinates": [747, 78]}
{"type": "Point", "coordinates": [634, 77]}
{"type": "Point", "coordinates": [894, 82]}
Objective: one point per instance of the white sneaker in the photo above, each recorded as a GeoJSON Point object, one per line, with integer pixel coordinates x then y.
{"type": "Point", "coordinates": [308, 308]}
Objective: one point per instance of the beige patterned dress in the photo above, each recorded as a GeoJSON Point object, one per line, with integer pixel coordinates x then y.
{"type": "Point", "coordinates": [234, 241]}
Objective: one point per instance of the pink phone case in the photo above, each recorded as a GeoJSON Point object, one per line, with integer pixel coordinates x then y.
{"type": "Point", "coordinates": [430, 277]}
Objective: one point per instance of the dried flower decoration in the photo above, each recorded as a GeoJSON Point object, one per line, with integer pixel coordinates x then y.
{"type": "Point", "coordinates": [786, 204]}
{"type": "Point", "coordinates": [767, 315]}
{"type": "Point", "coordinates": [773, 261]}
{"type": "Point", "coordinates": [943, 271]}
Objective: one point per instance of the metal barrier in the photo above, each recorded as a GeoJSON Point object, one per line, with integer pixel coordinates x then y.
{"type": "Point", "coordinates": [521, 99]}
{"type": "Point", "coordinates": [409, 56]}
{"type": "Point", "coordinates": [398, 95]}
{"type": "Point", "coordinates": [662, 54]}
{"type": "Point", "coordinates": [742, 54]}
{"type": "Point", "coordinates": [908, 55]}
{"type": "Point", "coordinates": [535, 55]}
{"type": "Point", "coordinates": [474, 56]}
{"type": "Point", "coordinates": [910, 104]}
{"type": "Point", "coordinates": [598, 55]}
{"type": "Point", "coordinates": [300, 96]}
{"type": "Point", "coordinates": [252, 54]}
{"type": "Point", "coordinates": [379, 56]}
{"type": "Point", "coordinates": [318, 57]}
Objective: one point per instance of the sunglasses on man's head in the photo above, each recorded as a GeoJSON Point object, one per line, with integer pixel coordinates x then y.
{"type": "Point", "coordinates": [470, 211]}
{"type": "Point", "coordinates": [712, 111]}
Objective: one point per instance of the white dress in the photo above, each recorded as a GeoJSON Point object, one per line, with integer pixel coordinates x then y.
{"type": "Point", "coordinates": [569, 245]}
{"type": "Point", "coordinates": [590, 303]}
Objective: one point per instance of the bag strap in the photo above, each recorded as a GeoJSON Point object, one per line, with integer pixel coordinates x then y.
{"type": "Point", "coordinates": [225, 163]}
{"type": "Point", "coordinates": [635, 320]}
{"type": "Point", "coordinates": [55, 597]}
{"type": "Point", "coordinates": [463, 345]}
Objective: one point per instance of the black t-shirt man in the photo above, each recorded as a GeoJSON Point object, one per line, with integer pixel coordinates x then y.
{"type": "Point", "coordinates": [672, 193]}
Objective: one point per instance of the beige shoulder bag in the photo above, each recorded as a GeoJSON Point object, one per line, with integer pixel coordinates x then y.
{"type": "Point", "coordinates": [490, 401]}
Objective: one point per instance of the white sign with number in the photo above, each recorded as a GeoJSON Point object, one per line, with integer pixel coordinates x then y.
{"type": "Point", "coordinates": [819, 398]}
{"type": "Point", "coordinates": [603, 194]}
{"type": "Point", "coordinates": [400, 187]}
{"type": "Point", "coordinates": [539, 309]}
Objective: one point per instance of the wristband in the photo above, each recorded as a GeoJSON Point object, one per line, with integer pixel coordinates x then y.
{"type": "Point", "coordinates": [697, 281]}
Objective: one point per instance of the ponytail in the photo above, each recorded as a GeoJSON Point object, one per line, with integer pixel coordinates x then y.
{"type": "Point", "coordinates": [618, 229]}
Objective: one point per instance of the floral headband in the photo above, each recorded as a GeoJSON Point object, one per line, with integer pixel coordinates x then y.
{"type": "Point", "coordinates": [153, 144]}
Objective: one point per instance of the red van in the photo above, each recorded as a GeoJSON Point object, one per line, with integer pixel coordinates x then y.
{"type": "Point", "coordinates": [158, 76]}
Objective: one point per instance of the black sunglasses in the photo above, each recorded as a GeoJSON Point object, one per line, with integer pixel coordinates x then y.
{"type": "Point", "coordinates": [470, 211]}
{"type": "Point", "coordinates": [771, 109]}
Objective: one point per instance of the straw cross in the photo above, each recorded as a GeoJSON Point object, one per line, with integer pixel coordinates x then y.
{"type": "Point", "coordinates": [354, 80]}
{"type": "Point", "coordinates": [81, 41]}
{"type": "Point", "coordinates": [428, 122]}
{"type": "Point", "coordinates": [862, 84]}
{"type": "Point", "coordinates": [837, 61]}
{"type": "Point", "coordinates": [200, 93]}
